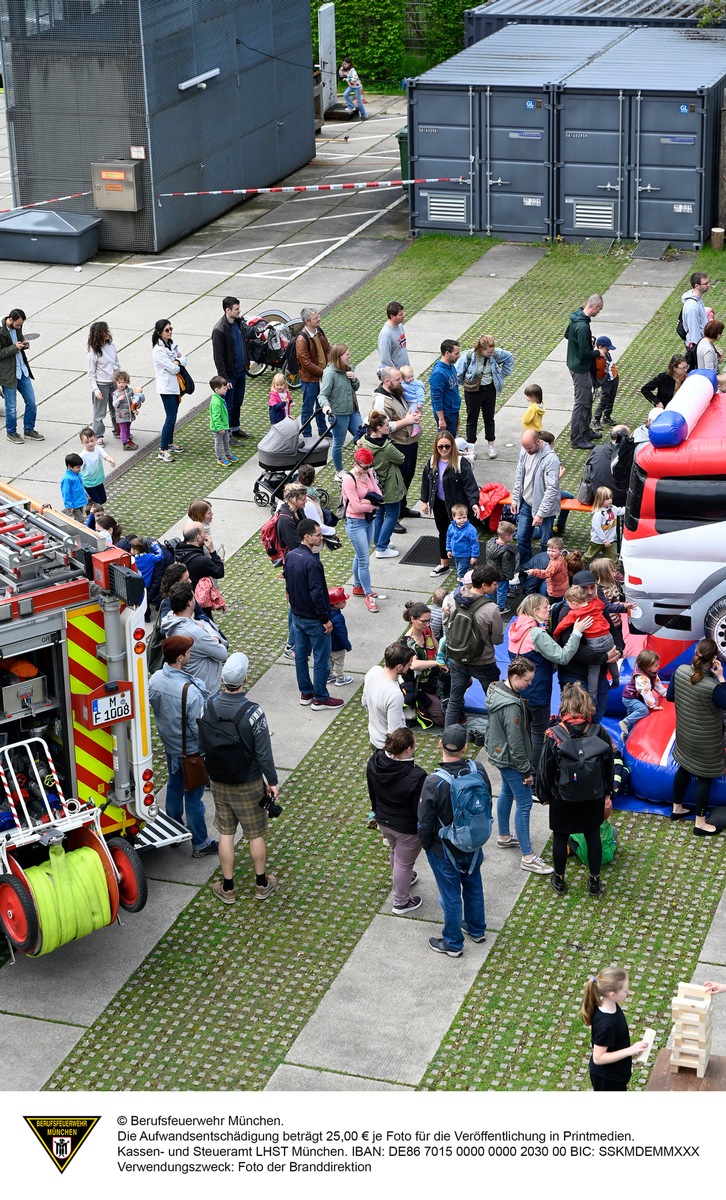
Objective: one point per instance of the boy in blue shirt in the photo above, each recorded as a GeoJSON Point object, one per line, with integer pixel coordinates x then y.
{"type": "Point", "coordinates": [72, 489]}
{"type": "Point", "coordinates": [443, 383]}
{"type": "Point", "coordinates": [462, 541]}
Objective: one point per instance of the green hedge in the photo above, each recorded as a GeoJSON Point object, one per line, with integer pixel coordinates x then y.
{"type": "Point", "coordinates": [373, 33]}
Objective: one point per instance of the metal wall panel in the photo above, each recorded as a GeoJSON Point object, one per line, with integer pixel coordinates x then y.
{"type": "Point", "coordinates": [515, 163]}
{"type": "Point", "coordinates": [486, 19]}
{"type": "Point", "coordinates": [440, 143]}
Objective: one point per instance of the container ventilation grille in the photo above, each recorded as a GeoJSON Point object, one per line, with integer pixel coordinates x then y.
{"type": "Point", "coordinates": [593, 214]}
{"type": "Point", "coordinates": [447, 206]}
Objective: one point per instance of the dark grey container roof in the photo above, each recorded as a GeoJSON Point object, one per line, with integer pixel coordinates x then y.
{"type": "Point", "coordinates": [620, 9]}
{"type": "Point", "coordinates": [662, 60]}
{"type": "Point", "coordinates": [528, 56]}
{"type": "Point", "coordinates": [45, 222]}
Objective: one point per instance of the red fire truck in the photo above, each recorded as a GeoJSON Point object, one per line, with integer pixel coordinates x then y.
{"type": "Point", "coordinates": [77, 796]}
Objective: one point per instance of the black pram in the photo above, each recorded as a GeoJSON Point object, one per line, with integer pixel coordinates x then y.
{"type": "Point", "coordinates": [280, 452]}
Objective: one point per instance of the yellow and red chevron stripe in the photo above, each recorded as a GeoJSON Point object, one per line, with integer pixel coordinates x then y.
{"type": "Point", "coordinates": [93, 747]}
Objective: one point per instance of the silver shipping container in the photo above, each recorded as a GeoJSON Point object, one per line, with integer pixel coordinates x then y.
{"type": "Point", "coordinates": [576, 131]}
{"type": "Point", "coordinates": [486, 19]}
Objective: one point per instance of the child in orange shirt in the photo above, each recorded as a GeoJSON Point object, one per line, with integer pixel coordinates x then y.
{"type": "Point", "coordinates": [555, 573]}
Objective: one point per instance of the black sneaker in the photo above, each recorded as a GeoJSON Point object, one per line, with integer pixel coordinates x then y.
{"type": "Point", "coordinates": [595, 886]}
{"type": "Point", "coordinates": [410, 906]}
{"type": "Point", "coordinates": [594, 433]}
{"type": "Point", "coordinates": [608, 421]}
{"type": "Point", "coordinates": [582, 445]}
{"type": "Point", "coordinates": [439, 946]}
{"type": "Point", "coordinates": [399, 528]}
{"type": "Point", "coordinates": [239, 435]}
{"type": "Point", "coordinates": [557, 883]}
{"type": "Point", "coordinates": [206, 851]}
{"type": "Point", "coordinates": [470, 936]}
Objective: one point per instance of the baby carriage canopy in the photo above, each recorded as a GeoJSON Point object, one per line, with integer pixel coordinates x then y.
{"type": "Point", "coordinates": [282, 445]}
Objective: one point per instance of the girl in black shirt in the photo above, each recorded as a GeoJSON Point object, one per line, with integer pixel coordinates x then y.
{"type": "Point", "coordinates": [612, 1054]}
{"type": "Point", "coordinates": [661, 390]}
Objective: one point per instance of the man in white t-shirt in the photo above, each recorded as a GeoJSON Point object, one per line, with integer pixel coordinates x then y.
{"type": "Point", "coordinates": [392, 338]}
{"type": "Point", "coordinates": [382, 695]}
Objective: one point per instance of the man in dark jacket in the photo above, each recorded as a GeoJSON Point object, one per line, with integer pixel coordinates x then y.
{"type": "Point", "coordinates": [460, 879]}
{"type": "Point", "coordinates": [581, 354]}
{"type": "Point", "coordinates": [575, 671]}
{"type": "Point", "coordinates": [243, 803]}
{"type": "Point", "coordinates": [598, 468]}
{"type": "Point", "coordinates": [307, 592]}
{"type": "Point", "coordinates": [16, 376]}
{"type": "Point", "coordinates": [197, 561]}
{"type": "Point", "coordinates": [231, 358]}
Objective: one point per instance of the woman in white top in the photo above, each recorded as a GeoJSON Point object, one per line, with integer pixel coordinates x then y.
{"type": "Point", "coordinates": [168, 359]}
{"type": "Point", "coordinates": [706, 353]}
{"type": "Point", "coordinates": [102, 362]}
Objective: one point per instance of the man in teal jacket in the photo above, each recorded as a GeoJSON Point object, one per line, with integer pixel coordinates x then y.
{"type": "Point", "coordinates": [581, 354]}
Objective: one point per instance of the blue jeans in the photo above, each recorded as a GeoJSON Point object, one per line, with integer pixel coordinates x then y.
{"type": "Point", "coordinates": [462, 566]}
{"type": "Point", "coordinates": [524, 532]}
{"type": "Point", "coordinates": [455, 883]}
{"type": "Point", "coordinates": [561, 521]}
{"type": "Point", "coordinates": [635, 711]}
{"type": "Point", "coordinates": [452, 422]}
{"type": "Point", "coordinates": [311, 638]}
{"type": "Point", "coordinates": [234, 399]}
{"type": "Point", "coordinates": [502, 593]}
{"type": "Point", "coordinates": [513, 790]}
{"type": "Point", "coordinates": [177, 801]}
{"type": "Point", "coordinates": [359, 534]}
{"type": "Point", "coordinates": [603, 690]}
{"type": "Point", "coordinates": [310, 393]}
{"type": "Point", "coordinates": [171, 408]}
{"type": "Point", "coordinates": [25, 387]}
{"type": "Point", "coordinates": [358, 93]}
{"type": "Point", "coordinates": [342, 425]}
{"type": "Point", "coordinates": [385, 523]}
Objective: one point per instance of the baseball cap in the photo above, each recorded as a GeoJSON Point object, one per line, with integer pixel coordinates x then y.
{"type": "Point", "coordinates": [338, 595]}
{"type": "Point", "coordinates": [454, 737]}
{"type": "Point", "coordinates": [605, 341]}
{"type": "Point", "coordinates": [234, 671]}
{"type": "Point", "coordinates": [173, 647]}
{"type": "Point", "coordinates": [583, 578]}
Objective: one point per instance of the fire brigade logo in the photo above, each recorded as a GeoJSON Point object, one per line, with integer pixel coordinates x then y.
{"type": "Point", "coordinates": [61, 1137]}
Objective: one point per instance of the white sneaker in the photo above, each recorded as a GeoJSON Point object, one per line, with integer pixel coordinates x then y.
{"type": "Point", "coordinates": [492, 451]}
{"type": "Point", "coordinates": [339, 475]}
{"type": "Point", "coordinates": [389, 553]}
{"type": "Point", "coordinates": [165, 456]}
{"type": "Point", "coordinates": [536, 865]}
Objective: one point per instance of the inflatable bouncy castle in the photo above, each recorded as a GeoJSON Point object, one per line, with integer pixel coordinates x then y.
{"type": "Point", "coordinates": [674, 560]}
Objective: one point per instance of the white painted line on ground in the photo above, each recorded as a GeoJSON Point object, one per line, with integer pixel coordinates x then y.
{"type": "Point", "coordinates": [343, 174]}
{"type": "Point", "coordinates": [305, 220]}
{"type": "Point", "coordinates": [347, 238]}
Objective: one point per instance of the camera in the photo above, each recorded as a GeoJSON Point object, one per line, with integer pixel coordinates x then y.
{"type": "Point", "coordinates": [271, 807]}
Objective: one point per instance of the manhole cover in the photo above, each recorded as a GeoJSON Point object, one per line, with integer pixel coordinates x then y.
{"type": "Point", "coordinates": [595, 245]}
{"type": "Point", "coordinates": [653, 251]}
{"type": "Point", "coordinates": [423, 553]}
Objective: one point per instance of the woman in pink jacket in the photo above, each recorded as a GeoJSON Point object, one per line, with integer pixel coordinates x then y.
{"type": "Point", "coordinates": [361, 499]}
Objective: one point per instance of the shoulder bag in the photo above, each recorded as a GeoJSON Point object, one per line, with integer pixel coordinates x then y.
{"type": "Point", "coordinates": [195, 772]}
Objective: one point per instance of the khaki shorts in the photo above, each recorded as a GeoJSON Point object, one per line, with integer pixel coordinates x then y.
{"type": "Point", "coordinates": [239, 804]}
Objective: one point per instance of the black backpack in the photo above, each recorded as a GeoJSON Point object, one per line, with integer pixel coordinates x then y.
{"type": "Point", "coordinates": [581, 764]}
{"type": "Point", "coordinates": [464, 641]}
{"type": "Point", "coordinates": [154, 655]}
{"type": "Point", "coordinates": [292, 361]}
{"type": "Point", "coordinates": [226, 756]}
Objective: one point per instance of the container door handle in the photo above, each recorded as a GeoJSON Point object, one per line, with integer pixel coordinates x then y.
{"type": "Point", "coordinates": [497, 182]}
{"type": "Point", "coordinates": [608, 187]}
{"type": "Point", "coordinates": [649, 188]}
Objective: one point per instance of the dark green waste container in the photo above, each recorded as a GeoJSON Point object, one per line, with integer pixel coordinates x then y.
{"type": "Point", "coordinates": [402, 137]}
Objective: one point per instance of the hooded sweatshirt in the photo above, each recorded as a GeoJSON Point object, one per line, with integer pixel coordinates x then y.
{"type": "Point", "coordinates": [529, 640]}
{"type": "Point", "coordinates": [508, 741]}
{"type": "Point", "coordinates": [487, 617]}
{"type": "Point", "coordinates": [394, 786]}
{"type": "Point", "coordinates": [580, 351]}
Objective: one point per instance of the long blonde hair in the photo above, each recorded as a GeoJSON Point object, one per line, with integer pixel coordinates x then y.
{"type": "Point", "coordinates": [598, 987]}
{"type": "Point", "coordinates": [444, 435]}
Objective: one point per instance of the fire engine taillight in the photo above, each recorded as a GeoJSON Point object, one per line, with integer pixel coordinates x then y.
{"type": "Point", "coordinates": [148, 788]}
{"type": "Point", "coordinates": [139, 635]}
{"type": "Point", "coordinates": [634, 579]}
{"type": "Point", "coordinates": [139, 648]}
{"type": "Point", "coordinates": [148, 774]}
{"type": "Point", "coordinates": [148, 801]}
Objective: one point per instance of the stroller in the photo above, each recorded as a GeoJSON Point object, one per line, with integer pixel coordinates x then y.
{"type": "Point", "coordinates": [270, 338]}
{"type": "Point", "coordinates": [280, 452]}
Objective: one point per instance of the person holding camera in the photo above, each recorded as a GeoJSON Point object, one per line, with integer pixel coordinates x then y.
{"type": "Point", "coordinates": [235, 739]}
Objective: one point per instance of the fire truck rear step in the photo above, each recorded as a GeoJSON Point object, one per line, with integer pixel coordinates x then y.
{"type": "Point", "coordinates": [164, 831]}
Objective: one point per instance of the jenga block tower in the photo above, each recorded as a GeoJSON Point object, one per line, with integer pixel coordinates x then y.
{"type": "Point", "coordinates": [691, 1010]}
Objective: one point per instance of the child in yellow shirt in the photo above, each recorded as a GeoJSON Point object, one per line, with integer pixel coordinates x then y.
{"type": "Point", "coordinates": [532, 417]}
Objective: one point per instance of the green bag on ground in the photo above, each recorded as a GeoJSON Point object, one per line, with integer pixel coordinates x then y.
{"type": "Point", "coordinates": [608, 839]}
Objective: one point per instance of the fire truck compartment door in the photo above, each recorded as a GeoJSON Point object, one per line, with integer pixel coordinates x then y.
{"type": "Point", "coordinates": [32, 633]}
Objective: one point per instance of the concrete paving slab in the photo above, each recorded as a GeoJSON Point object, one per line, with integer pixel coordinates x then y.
{"type": "Point", "coordinates": [426, 330]}
{"type": "Point", "coordinates": [78, 980]}
{"type": "Point", "coordinates": [660, 274]}
{"type": "Point", "coordinates": [289, 1078]}
{"type": "Point", "coordinates": [48, 383]}
{"type": "Point", "coordinates": [388, 961]}
{"type": "Point", "coordinates": [11, 272]}
{"type": "Point", "coordinates": [507, 259]}
{"type": "Point", "coordinates": [629, 304]}
{"type": "Point", "coordinates": [714, 948]}
{"type": "Point", "coordinates": [60, 273]}
{"type": "Point", "coordinates": [473, 296]}
{"type": "Point", "coordinates": [325, 284]}
{"type": "Point", "coordinates": [88, 304]}
{"type": "Point", "coordinates": [202, 314]}
{"type": "Point", "coordinates": [31, 1050]}
{"type": "Point", "coordinates": [362, 252]}
{"type": "Point", "coordinates": [60, 346]}
{"type": "Point", "coordinates": [35, 298]}
{"type": "Point", "coordinates": [295, 729]}
{"type": "Point", "coordinates": [705, 970]}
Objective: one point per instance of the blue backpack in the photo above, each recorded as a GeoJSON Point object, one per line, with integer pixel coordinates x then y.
{"type": "Point", "coordinates": [471, 806]}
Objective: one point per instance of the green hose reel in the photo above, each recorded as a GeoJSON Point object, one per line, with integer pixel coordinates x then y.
{"type": "Point", "coordinates": [71, 896]}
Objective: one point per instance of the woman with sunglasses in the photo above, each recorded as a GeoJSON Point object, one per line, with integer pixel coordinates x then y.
{"type": "Point", "coordinates": [447, 480]}
{"type": "Point", "coordinates": [168, 359]}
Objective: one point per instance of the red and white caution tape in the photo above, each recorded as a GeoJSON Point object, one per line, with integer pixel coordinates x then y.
{"type": "Point", "coordinates": [317, 187]}
{"type": "Point", "coordinates": [40, 203]}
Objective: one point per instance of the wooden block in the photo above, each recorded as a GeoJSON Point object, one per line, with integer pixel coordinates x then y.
{"type": "Point", "coordinates": [695, 990]}
{"type": "Point", "coordinates": [649, 1037]}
